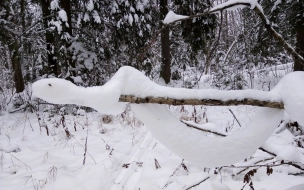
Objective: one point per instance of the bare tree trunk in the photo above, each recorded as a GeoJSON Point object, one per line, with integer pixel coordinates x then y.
{"type": "Point", "coordinates": [66, 5]}
{"type": "Point", "coordinates": [165, 72]}
{"type": "Point", "coordinates": [26, 68]}
{"type": "Point", "coordinates": [16, 65]}
{"type": "Point", "coordinates": [210, 53]}
{"type": "Point", "coordinates": [53, 67]}
{"type": "Point", "coordinates": [298, 66]}
{"type": "Point", "coordinates": [13, 46]}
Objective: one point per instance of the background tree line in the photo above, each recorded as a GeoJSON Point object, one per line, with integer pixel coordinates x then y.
{"type": "Point", "coordinates": [86, 41]}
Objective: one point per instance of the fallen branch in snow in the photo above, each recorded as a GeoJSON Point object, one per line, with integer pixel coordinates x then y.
{"type": "Point", "coordinates": [267, 151]}
{"type": "Point", "coordinates": [204, 130]}
{"type": "Point", "coordinates": [299, 165]}
{"type": "Point", "coordinates": [262, 160]}
{"type": "Point", "coordinates": [206, 102]}
{"type": "Point", "coordinates": [197, 183]}
{"type": "Point", "coordinates": [222, 135]}
{"type": "Point", "coordinates": [235, 117]}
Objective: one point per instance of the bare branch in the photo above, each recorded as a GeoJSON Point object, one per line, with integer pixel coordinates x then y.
{"type": "Point", "coordinates": [206, 102]}
{"type": "Point", "coordinates": [197, 183]}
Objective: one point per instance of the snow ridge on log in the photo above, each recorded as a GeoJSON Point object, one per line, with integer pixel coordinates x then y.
{"type": "Point", "coordinates": [206, 102]}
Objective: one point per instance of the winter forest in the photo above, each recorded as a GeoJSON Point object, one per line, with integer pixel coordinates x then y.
{"type": "Point", "coordinates": [151, 94]}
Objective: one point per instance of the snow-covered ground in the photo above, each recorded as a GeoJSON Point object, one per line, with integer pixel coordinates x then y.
{"type": "Point", "coordinates": [121, 153]}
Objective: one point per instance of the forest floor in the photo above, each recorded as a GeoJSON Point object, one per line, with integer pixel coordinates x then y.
{"type": "Point", "coordinates": [92, 151]}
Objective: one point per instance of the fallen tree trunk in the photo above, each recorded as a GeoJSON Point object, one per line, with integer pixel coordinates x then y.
{"type": "Point", "coordinates": [206, 102]}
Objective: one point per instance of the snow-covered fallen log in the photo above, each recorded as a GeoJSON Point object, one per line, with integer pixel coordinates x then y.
{"type": "Point", "coordinates": [130, 85]}
{"type": "Point", "coordinates": [175, 135]}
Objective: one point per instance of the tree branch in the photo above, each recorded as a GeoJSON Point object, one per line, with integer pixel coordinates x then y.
{"type": "Point", "coordinates": [257, 9]}
{"type": "Point", "coordinates": [206, 102]}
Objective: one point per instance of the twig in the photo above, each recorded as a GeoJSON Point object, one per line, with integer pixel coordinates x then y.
{"type": "Point", "coordinates": [255, 163]}
{"type": "Point", "coordinates": [197, 183]}
{"type": "Point", "coordinates": [223, 135]}
{"type": "Point", "coordinates": [267, 151]}
{"type": "Point", "coordinates": [20, 161]}
{"type": "Point", "coordinates": [274, 164]}
{"type": "Point", "coordinates": [85, 148]}
{"type": "Point", "coordinates": [205, 130]}
{"type": "Point", "coordinates": [235, 117]}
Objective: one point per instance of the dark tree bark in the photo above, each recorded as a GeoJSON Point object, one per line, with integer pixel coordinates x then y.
{"type": "Point", "coordinates": [165, 72]}
{"type": "Point", "coordinates": [16, 65]}
{"type": "Point", "coordinates": [53, 67]}
{"type": "Point", "coordinates": [298, 66]}
{"type": "Point", "coordinates": [66, 5]}
{"type": "Point", "coordinates": [11, 40]}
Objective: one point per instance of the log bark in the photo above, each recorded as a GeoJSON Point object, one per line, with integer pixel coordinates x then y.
{"type": "Point", "coordinates": [206, 102]}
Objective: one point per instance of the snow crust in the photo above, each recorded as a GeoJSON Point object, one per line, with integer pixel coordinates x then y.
{"type": "Point", "coordinates": [171, 17]}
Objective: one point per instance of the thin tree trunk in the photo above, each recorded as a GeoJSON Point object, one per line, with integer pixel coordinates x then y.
{"type": "Point", "coordinates": [53, 67]}
{"type": "Point", "coordinates": [66, 5]}
{"type": "Point", "coordinates": [165, 72]}
{"type": "Point", "coordinates": [13, 46]}
{"type": "Point", "coordinates": [298, 66]}
{"type": "Point", "coordinates": [16, 65]}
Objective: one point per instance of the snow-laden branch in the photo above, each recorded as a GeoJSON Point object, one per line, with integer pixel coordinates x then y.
{"type": "Point", "coordinates": [130, 85]}
{"type": "Point", "coordinates": [168, 129]}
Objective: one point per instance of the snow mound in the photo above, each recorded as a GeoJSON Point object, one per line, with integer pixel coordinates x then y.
{"type": "Point", "coordinates": [291, 89]}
